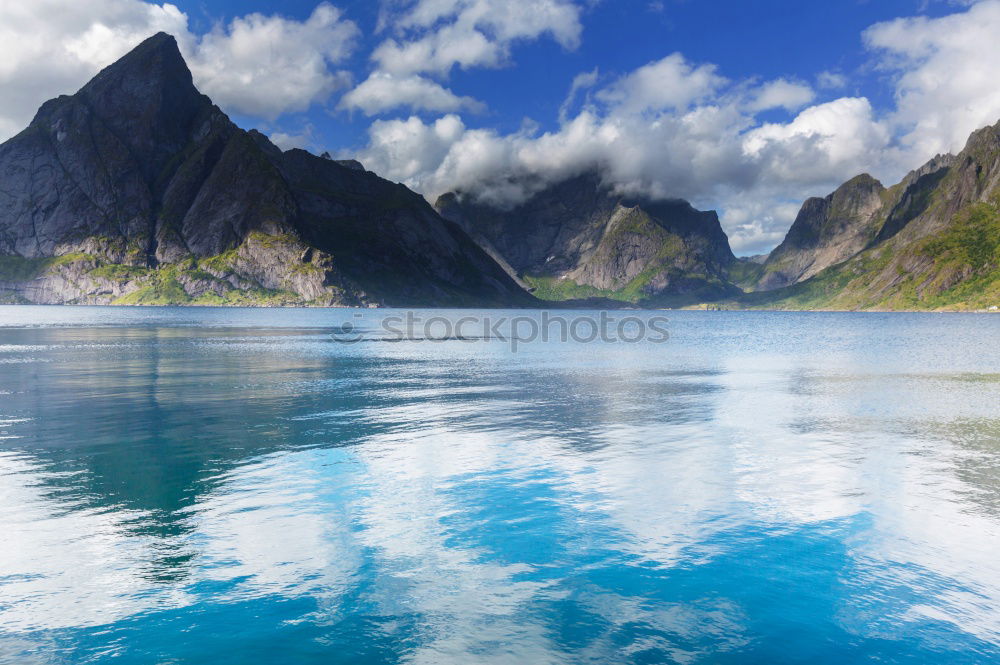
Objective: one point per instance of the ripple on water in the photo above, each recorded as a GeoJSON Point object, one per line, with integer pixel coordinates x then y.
{"type": "Point", "coordinates": [231, 487]}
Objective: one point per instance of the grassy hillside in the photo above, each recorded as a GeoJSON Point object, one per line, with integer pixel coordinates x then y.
{"type": "Point", "coordinates": [955, 268]}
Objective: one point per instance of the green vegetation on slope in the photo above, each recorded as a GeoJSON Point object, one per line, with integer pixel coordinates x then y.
{"type": "Point", "coordinates": [20, 269]}
{"type": "Point", "coordinates": [557, 289]}
{"type": "Point", "coordinates": [967, 258]}
{"type": "Point", "coordinates": [745, 274]}
{"type": "Point", "coordinates": [972, 239]}
{"type": "Point", "coordinates": [699, 289]}
{"type": "Point", "coordinates": [118, 272]}
{"type": "Point", "coordinates": [636, 228]}
{"type": "Point", "coordinates": [837, 287]}
{"type": "Point", "coordinates": [955, 268]}
{"type": "Point", "coordinates": [164, 285]}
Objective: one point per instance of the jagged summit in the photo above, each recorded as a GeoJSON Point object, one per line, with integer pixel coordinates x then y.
{"type": "Point", "coordinates": [149, 100]}
{"type": "Point", "coordinates": [157, 60]}
{"type": "Point", "coordinates": [827, 231]}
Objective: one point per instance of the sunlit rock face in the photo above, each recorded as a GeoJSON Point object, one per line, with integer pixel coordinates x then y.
{"type": "Point", "coordinates": [827, 231]}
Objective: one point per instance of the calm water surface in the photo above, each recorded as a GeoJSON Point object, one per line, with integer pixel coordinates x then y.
{"type": "Point", "coordinates": [233, 486]}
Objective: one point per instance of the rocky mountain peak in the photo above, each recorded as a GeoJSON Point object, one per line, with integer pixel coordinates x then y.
{"type": "Point", "coordinates": [156, 58]}
{"type": "Point", "coordinates": [826, 231]}
{"type": "Point", "coordinates": [984, 139]}
{"type": "Point", "coordinates": [935, 245]}
{"type": "Point", "coordinates": [154, 73]}
{"type": "Point", "coordinates": [980, 161]}
{"type": "Point", "coordinates": [856, 190]}
{"type": "Point", "coordinates": [149, 101]}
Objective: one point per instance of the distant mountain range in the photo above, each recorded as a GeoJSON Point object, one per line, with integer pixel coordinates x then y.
{"type": "Point", "coordinates": [138, 190]}
{"type": "Point", "coordinates": [577, 239]}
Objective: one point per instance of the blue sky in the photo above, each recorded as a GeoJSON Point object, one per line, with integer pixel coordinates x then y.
{"type": "Point", "coordinates": [764, 39]}
{"type": "Point", "coordinates": [744, 107]}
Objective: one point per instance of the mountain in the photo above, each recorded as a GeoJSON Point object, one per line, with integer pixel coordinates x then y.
{"type": "Point", "coordinates": [826, 231]}
{"type": "Point", "coordinates": [933, 243]}
{"type": "Point", "coordinates": [137, 189]}
{"type": "Point", "coordinates": [578, 239]}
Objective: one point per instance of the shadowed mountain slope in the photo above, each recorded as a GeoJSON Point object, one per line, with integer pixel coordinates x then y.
{"type": "Point", "coordinates": [137, 189]}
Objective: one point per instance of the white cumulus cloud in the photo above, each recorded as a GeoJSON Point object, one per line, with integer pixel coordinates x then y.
{"type": "Point", "coordinates": [781, 93]}
{"type": "Point", "coordinates": [581, 82]}
{"type": "Point", "coordinates": [841, 136]}
{"type": "Point", "coordinates": [668, 129]}
{"type": "Point", "coordinates": [831, 80]}
{"type": "Point", "coordinates": [946, 75]}
{"type": "Point", "coordinates": [304, 138]}
{"type": "Point", "coordinates": [670, 83]}
{"type": "Point", "coordinates": [265, 66]}
{"type": "Point", "coordinates": [383, 91]}
{"type": "Point", "coordinates": [436, 35]}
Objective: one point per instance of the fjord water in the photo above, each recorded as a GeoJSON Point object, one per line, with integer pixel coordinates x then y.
{"type": "Point", "coordinates": [235, 486]}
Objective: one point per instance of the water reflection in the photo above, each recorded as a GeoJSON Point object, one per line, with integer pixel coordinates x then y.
{"type": "Point", "coordinates": [764, 488]}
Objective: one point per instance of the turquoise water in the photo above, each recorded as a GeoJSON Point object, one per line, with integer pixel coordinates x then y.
{"type": "Point", "coordinates": [234, 486]}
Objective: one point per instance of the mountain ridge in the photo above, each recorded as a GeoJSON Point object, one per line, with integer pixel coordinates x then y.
{"type": "Point", "coordinates": [577, 239]}
{"type": "Point", "coordinates": [137, 189]}
{"type": "Point", "coordinates": [936, 243]}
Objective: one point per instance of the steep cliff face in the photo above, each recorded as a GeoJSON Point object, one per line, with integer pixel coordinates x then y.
{"type": "Point", "coordinates": [578, 239]}
{"type": "Point", "coordinates": [124, 158]}
{"type": "Point", "coordinates": [936, 242]}
{"type": "Point", "coordinates": [826, 232]}
{"type": "Point", "coordinates": [139, 170]}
